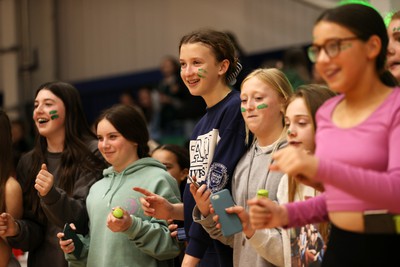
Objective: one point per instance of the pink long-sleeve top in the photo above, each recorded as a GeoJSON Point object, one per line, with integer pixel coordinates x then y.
{"type": "Point", "coordinates": [359, 166]}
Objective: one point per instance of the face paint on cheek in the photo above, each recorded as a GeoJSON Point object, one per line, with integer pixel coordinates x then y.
{"type": "Point", "coordinates": [396, 29]}
{"type": "Point", "coordinates": [53, 114]}
{"type": "Point", "coordinates": [262, 106]}
{"type": "Point", "coordinates": [201, 73]}
{"type": "Point", "coordinates": [242, 109]}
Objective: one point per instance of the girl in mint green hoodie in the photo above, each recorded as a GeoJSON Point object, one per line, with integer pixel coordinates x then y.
{"type": "Point", "coordinates": [134, 239]}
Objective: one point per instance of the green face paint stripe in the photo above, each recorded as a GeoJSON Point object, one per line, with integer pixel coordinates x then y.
{"type": "Point", "coordinates": [52, 112]}
{"type": "Point", "coordinates": [202, 70]}
{"type": "Point", "coordinates": [242, 109]}
{"type": "Point", "coordinates": [201, 73]}
{"type": "Point", "coordinates": [53, 117]}
{"type": "Point", "coordinates": [261, 106]}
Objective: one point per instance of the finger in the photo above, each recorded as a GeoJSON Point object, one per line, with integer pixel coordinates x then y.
{"type": "Point", "coordinates": [60, 235]}
{"type": "Point", "coordinates": [234, 209]}
{"type": "Point", "coordinates": [201, 192]}
{"type": "Point", "coordinates": [253, 201]}
{"type": "Point", "coordinates": [274, 167]}
{"type": "Point", "coordinates": [39, 178]}
{"type": "Point", "coordinates": [172, 227]}
{"type": "Point", "coordinates": [72, 226]}
{"type": "Point", "coordinates": [206, 195]}
{"type": "Point", "coordinates": [71, 247]}
{"type": "Point", "coordinates": [44, 167]}
{"type": "Point", "coordinates": [212, 211]}
{"type": "Point", "coordinates": [151, 199]}
{"type": "Point", "coordinates": [144, 202]}
{"type": "Point", "coordinates": [143, 191]}
{"type": "Point", "coordinates": [202, 188]}
{"type": "Point", "coordinates": [215, 218]}
{"type": "Point", "coordinates": [149, 212]}
{"type": "Point", "coordinates": [38, 187]}
{"type": "Point", "coordinates": [193, 189]}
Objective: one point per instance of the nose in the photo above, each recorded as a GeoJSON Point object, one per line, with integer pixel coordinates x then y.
{"type": "Point", "coordinates": [322, 56]}
{"type": "Point", "coordinates": [250, 104]}
{"type": "Point", "coordinates": [38, 109]}
{"type": "Point", "coordinates": [187, 71]}
{"type": "Point", "coordinates": [390, 49]}
{"type": "Point", "coordinates": [291, 132]}
{"type": "Point", "coordinates": [104, 143]}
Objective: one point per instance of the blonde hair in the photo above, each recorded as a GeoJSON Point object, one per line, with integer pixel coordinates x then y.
{"type": "Point", "coordinates": [278, 81]}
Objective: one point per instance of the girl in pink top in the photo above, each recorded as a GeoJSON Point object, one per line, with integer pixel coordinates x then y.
{"type": "Point", "coordinates": [357, 156]}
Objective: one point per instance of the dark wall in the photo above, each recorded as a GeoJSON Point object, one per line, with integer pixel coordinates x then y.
{"type": "Point", "coordinates": [102, 93]}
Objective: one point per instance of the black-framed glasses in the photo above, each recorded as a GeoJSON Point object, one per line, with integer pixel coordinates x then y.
{"type": "Point", "coordinates": [332, 47]}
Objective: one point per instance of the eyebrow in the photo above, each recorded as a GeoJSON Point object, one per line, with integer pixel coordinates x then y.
{"type": "Point", "coordinates": [108, 134]}
{"type": "Point", "coordinates": [47, 99]}
{"type": "Point", "coordinates": [300, 115]}
{"type": "Point", "coordinates": [327, 40]}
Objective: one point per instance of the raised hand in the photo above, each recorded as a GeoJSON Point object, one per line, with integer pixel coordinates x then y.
{"type": "Point", "coordinates": [68, 245]}
{"type": "Point", "coordinates": [8, 226]}
{"type": "Point", "coordinates": [202, 197]}
{"type": "Point", "coordinates": [265, 213]}
{"type": "Point", "coordinates": [158, 207]}
{"type": "Point", "coordinates": [119, 224]}
{"type": "Point", "coordinates": [44, 181]}
{"type": "Point", "coordinates": [295, 162]}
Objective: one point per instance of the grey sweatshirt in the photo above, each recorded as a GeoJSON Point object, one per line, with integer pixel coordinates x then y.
{"type": "Point", "coordinates": [265, 247]}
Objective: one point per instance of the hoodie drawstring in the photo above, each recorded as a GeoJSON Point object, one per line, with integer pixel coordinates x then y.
{"type": "Point", "coordinates": [110, 186]}
{"type": "Point", "coordinates": [116, 189]}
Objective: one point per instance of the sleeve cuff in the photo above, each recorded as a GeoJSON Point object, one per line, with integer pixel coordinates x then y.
{"type": "Point", "coordinates": [52, 197]}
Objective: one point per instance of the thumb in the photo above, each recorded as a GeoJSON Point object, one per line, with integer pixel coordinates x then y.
{"type": "Point", "coordinates": [44, 167]}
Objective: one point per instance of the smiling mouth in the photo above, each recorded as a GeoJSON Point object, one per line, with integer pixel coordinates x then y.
{"type": "Point", "coordinates": [191, 82]}
{"type": "Point", "coordinates": [42, 120]}
{"type": "Point", "coordinates": [394, 64]}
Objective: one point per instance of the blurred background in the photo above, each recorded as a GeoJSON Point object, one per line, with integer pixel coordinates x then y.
{"type": "Point", "coordinates": [110, 49]}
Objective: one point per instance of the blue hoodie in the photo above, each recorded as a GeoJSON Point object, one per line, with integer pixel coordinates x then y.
{"type": "Point", "coordinates": [147, 242]}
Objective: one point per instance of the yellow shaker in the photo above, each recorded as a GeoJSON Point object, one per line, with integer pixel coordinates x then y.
{"type": "Point", "coordinates": [262, 193]}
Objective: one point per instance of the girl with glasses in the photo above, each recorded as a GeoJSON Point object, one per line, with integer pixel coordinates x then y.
{"type": "Point", "coordinates": [357, 157]}
{"type": "Point", "coordinates": [393, 54]}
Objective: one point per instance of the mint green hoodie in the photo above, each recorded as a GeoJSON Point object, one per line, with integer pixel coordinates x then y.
{"type": "Point", "coordinates": [147, 242]}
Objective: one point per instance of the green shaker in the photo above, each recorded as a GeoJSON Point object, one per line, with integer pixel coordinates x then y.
{"type": "Point", "coordinates": [262, 193]}
{"type": "Point", "coordinates": [396, 219]}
